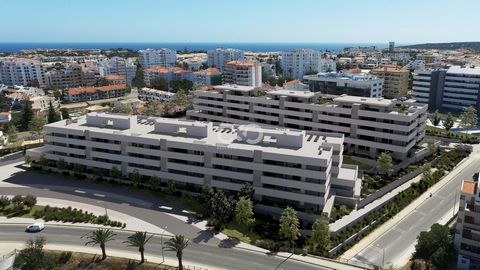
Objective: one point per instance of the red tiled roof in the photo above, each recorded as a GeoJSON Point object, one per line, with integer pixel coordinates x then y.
{"type": "Point", "coordinates": [76, 91]}
{"type": "Point", "coordinates": [469, 187]}
{"type": "Point", "coordinates": [113, 77]}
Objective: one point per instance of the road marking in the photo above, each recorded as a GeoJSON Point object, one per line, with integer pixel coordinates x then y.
{"type": "Point", "coordinates": [165, 207]}
{"type": "Point", "coordinates": [80, 191]}
{"type": "Point", "coordinates": [99, 195]}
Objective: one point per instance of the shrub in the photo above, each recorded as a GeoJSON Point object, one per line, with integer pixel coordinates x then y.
{"type": "Point", "coordinates": [64, 257]}
{"type": "Point", "coordinates": [29, 201]}
{"type": "Point", "coordinates": [4, 202]}
{"type": "Point", "coordinates": [17, 200]}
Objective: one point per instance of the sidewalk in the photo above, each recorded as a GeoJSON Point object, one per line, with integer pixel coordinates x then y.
{"type": "Point", "coordinates": [366, 241]}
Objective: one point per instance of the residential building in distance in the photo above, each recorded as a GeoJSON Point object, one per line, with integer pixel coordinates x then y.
{"type": "Point", "coordinates": [72, 75]}
{"type": "Point", "coordinates": [42, 103]}
{"type": "Point", "coordinates": [246, 73]}
{"type": "Point", "coordinates": [300, 62]}
{"type": "Point", "coordinates": [115, 79]}
{"type": "Point", "coordinates": [219, 57]}
{"type": "Point", "coordinates": [22, 71]}
{"type": "Point", "coordinates": [467, 232]}
{"type": "Point", "coordinates": [450, 89]}
{"type": "Point", "coordinates": [370, 125]}
{"type": "Point", "coordinates": [95, 93]}
{"type": "Point", "coordinates": [210, 76]}
{"type": "Point", "coordinates": [162, 57]}
{"type": "Point", "coordinates": [332, 83]}
{"type": "Point", "coordinates": [283, 166]}
{"type": "Point", "coordinates": [391, 46]}
{"type": "Point", "coordinates": [119, 66]}
{"type": "Point", "coordinates": [395, 80]}
{"type": "Point", "coordinates": [149, 94]}
{"type": "Point", "coordinates": [169, 74]}
{"type": "Point", "coordinates": [415, 65]}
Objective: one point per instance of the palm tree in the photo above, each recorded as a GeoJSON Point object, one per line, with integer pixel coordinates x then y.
{"type": "Point", "coordinates": [178, 243]}
{"type": "Point", "coordinates": [100, 237]}
{"type": "Point", "coordinates": [139, 239]}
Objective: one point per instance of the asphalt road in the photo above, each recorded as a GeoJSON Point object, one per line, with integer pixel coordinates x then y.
{"type": "Point", "coordinates": [395, 242]}
{"type": "Point", "coordinates": [221, 258]}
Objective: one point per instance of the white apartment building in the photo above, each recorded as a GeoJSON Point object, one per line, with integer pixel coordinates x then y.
{"type": "Point", "coordinates": [42, 103]}
{"type": "Point", "coordinates": [219, 57]}
{"type": "Point", "coordinates": [21, 71]}
{"type": "Point", "coordinates": [299, 62]}
{"type": "Point", "coordinates": [118, 66]}
{"type": "Point", "coordinates": [246, 73]}
{"type": "Point", "coordinates": [334, 83]}
{"type": "Point", "coordinates": [448, 89]}
{"type": "Point", "coordinates": [294, 167]}
{"type": "Point", "coordinates": [370, 125]}
{"type": "Point", "coordinates": [149, 94]}
{"type": "Point", "coordinates": [467, 231]}
{"type": "Point", "coordinates": [163, 57]}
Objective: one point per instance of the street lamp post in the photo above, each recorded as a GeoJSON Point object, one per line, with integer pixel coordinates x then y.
{"type": "Point", "coordinates": [161, 241]}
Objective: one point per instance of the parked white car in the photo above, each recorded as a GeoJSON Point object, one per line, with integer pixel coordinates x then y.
{"type": "Point", "coordinates": [35, 227]}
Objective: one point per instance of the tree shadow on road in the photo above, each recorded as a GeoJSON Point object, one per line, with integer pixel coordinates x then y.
{"type": "Point", "coordinates": [204, 236]}
{"type": "Point", "coordinates": [229, 243]}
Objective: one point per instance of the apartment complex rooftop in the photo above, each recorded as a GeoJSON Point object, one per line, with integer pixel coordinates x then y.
{"type": "Point", "coordinates": [464, 70]}
{"type": "Point", "coordinates": [390, 69]}
{"type": "Point", "coordinates": [234, 87]}
{"type": "Point", "coordinates": [293, 93]}
{"type": "Point", "coordinates": [341, 76]}
{"type": "Point", "coordinates": [242, 63]}
{"type": "Point", "coordinates": [76, 91]}
{"type": "Point", "coordinates": [243, 137]}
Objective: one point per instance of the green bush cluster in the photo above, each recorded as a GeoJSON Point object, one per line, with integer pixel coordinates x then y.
{"type": "Point", "coordinates": [464, 138]}
{"type": "Point", "coordinates": [73, 215]}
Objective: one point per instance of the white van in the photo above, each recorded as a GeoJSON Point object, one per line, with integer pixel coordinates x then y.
{"type": "Point", "coordinates": [35, 227]}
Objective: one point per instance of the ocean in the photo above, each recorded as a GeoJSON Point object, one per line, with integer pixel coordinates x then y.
{"type": "Point", "coordinates": [255, 47]}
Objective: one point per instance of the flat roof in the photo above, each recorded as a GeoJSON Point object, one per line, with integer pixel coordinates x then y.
{"type": "Point", "coordinates": [364, 100]}
{"type": "Point", "coordinates": [292, 93]}
{"type": "Point", "coordinates": [313, 145]}
{"type": "Point", "coordinates": [464, 70]}
{"type": "Point", "coordinates": [234, 87]}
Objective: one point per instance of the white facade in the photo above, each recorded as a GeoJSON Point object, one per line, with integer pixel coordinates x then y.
{"type": "Point", "coordinates": [118, 66]}
{"type": "Point", "coordinates": [219, 57]}
{"type": "Point", "coordinates": [461, 88]}
{"type": "Point", "coordinates": [163, 57]}
{"type": "Point", "coordinates": [21, 71]}
{"type": "Point", "coordinates": [370, 125]}
{"type": "Point", "coordinates": [245, 73]}
{"type": "Point", "coordinates": [298, 63]}
{"type": "Point", "coordinates": [149, 94]}
{"type": "Point", "coordinates": [294, 167]}
{"type": "Point", "coordinates": [42, 103]}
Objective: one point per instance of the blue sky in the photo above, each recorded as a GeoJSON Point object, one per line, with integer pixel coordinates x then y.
{"type": "Point", "coordinates": [404, 21]}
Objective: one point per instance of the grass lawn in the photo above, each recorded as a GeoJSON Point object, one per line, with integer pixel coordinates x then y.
{"type": "Point", "coordinates": [361, 166]}
{"type": "Point", "coordinates": [25, 213]}
{"type": "Point", "coordinates": [240, 232]}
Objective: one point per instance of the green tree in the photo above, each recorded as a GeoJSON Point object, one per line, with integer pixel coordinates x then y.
{"type": "Point", "coordinates": [53, 116]}
{"type": "Point", "coordinates": [182, 97]}
{"type": "Point", "coordinates": [431, 146]}
{"type": "Point", "coordinates": [159, 83]}
{"type": "Point", "coordinates": [320, 239]}
{"type": "Point", "coordinates": [385, 162]}
{"type": "Point", "coordinates": [4, 202]}
{"type": "Point", "coordinates": [101, 237]}
{"type": "Point", "coordinates": [61, 164]}
{"type": "Point", "coordinates": [448, 122]}
{"type": "Point", "coordinates": [153, 182]}
{"type": "Point", "coordinates": [136, 177]}
{"type": "Point", "coordinates": [204, 65]}
{"type": "Point", "coordinates": [289, 226]}
{"type": "Point", "coordinates": [221, 208]}
{"type": "Point", "coordinates": [171, 187]}
{"type": "Point", "coordinates": [64, 113]}
{"type": "Point", "coordinates": [12, 134]}
{"type": "Point", "coordinates": [184, 84]}
{"type": "Point", "coordinates": [138, 80]}
{"type": "Point", "coordinates": [244, 211]}
{"type": "Point", "coordinates": [78, 168]}
{"type": "Point", "coordinates": [246, 191]}
{"type": "Point", "coordinates": [29, 201]}
{"type": "Point", "coordinates": [32, 256]}
{"type": "Point", "coordinates": [435, 246]}
{"type": "Point", "coordinates": [436, 118]}
{"type": "Point", "coordinates": [27, 115]}
{"type": "Point", "coordinates": [17, 200]}
{"type": "Point", "coordinates": [115, 173]}
{"type": "Point", "coordinates": [36, 126]}
{"type": "Point", "coordinates": [468, 118]}
{"type": "Point", "coordinates": [139, 240]}
{"type": "Point", "coordinates": [280, 81]}
{"type": "Point", "coordinates": [177, 244]}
